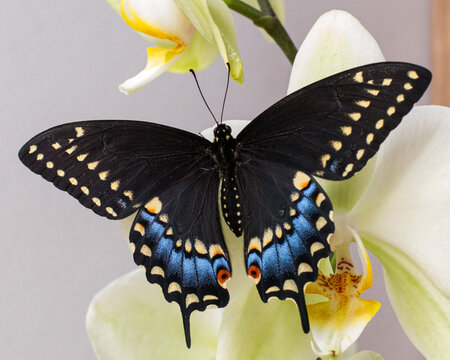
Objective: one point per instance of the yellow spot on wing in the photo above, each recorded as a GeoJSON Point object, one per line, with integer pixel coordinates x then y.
{"type": "Point", "coordinates": [413, 75]}
{"type": "Point", "coordinates": [267, 237]}
{"type": "Point", "coordinates": [290, 285]}
{"type": "Point", "coordinates": [92, 165]}
{"type": "Point", "coordinates": [391, 110]}
{"type": "Point", "coordinates": [278, 231]}
{"type": "Point", "coordinates": [301, 180]}
{"type": "Point", "coordinates": [61, 173]}
{"type": "Point", "coordinates": [49, 164]}
{"type": "Point", "coordinates": [85, 190]}
{"type": "Point", "coordinates": [111, 211]}
{"type": "Point", "coordinates": [96, 201]}
{"type": "Point", "coordinates": [355, 116]}
{"type": "Point", "coordinates": [295, 196]}
{"type": "Point", "coordinates": [386, 82]}
{"type": "Point", "coordinates": [254, 244]}
{"type": "Point", "coordinates": [164, 218]}
{"type": "Point", "coordinates": [145, 250]}
{"type": "Point", "coordinates": [363, 103]}
{"type": "Point", "coordinates": [128, 194]}
{"type": "Point", "coordinates": [304, 267]}
{"type": "Point", "coordinates": [71, 149]}
{"type": "Point", "coordinates": [400, 98]}
{"type": "Point", "coordinates": [373, 92]}
{"type": "Point", "coordinates": [200, 247]}
{"type": "Point", "coordinates": [156, 270]}
{"type": "Point", "coordinates": [139, 228]}
{"type": "Point", "coordinates": [80, 131]}
{"type": "Point", "coordinates": [320, 223]}
{"type": "Point", "coordinates": [319, 199]}
{"type": "Point", "coordinates": [154, 205]}
{"type": "Point", "coordinates": [169, 231]}
{"type": "Point", "coordinates": [210, 297]}
{"type": "Point", "coordinates": [174, 287]}
{"type": "Point", "coordinates": [324, 159]}
{"type": "Point", "coordinates": [408, 86]}
{"type": "Point", "coordinates": [369, 138]}
{"type": "Point", "coordinates": [215, 250]}
{"type": "Point", "coordinates": [73, 181]}
{"type": "Point", "coordinates": [103, 175]}
{"type": "Point", "coordinates": [337, 145]}
{"type": "Point", "coordinates": [316, 247]}
{"type": "Point", "coordinates": [191, 299]}
{"type": "Point", "coordinates": [56, 145]}
{"type": "Point", "coordinates": [39, 156]}
{"type": "Point", "coordinates": [272, 289]}
{"type": "Point", "coordinates": [115, 185]}
{"type": "Point", "coordinates": [358, 77]}
{"type": "Point", "coordinates": [33, 148]}
{"type": "Point", "coordinates": [379, 124]}
{"type": "Point", "coordinates": [360, 154]}
{"type": "Point", "coordinates": [82, 157]}
{"type": "Point", "coordinates": [346, 130]}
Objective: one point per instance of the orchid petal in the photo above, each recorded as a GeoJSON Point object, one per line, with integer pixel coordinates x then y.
{"type": "Point", "coordinates": [254, 330]}
{"type": "Point", "coordinates": [336, 42]}
{"type": "Point", "coordinates": [407, 228]}
{"type": "Point", "coordinates": [412, 174]}
{"type": "Point", "coordinates": [130, 319]}
{"type": "Point", "coordinates": [336, 325]}
{"type": "Point", "coordinates": [421, 307]}
{"type": "Point", "coordinates": [213, 19]}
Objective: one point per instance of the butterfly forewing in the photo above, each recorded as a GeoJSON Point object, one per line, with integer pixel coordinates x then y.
{"type": "Point", "coordinates": [288, 222]}
{"type": "Point", "coordinates": [334, 126]}
{"type": "Point", "coordinates": [113, 166]}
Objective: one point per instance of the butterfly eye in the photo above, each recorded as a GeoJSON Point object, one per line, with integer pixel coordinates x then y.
{"type": "Point", "coordinates": [223, 276]}
{"type": "Point", "coordinates": [255, 273]}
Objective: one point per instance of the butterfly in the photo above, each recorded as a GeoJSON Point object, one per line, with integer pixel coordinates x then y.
{"type": "Point", "coordinates": [261, 181]}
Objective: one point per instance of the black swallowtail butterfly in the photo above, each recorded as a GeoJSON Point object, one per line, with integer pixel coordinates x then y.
{"type": "Point", "coordinates": [263, 178]}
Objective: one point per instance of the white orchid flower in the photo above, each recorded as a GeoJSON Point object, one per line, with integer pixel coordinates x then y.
{"type": "Point", "coordinates": [186, 35]}
{"type": "Point", "coordinates": [398, 205]}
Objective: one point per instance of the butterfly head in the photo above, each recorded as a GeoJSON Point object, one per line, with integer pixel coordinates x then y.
{"type": "Point", "coordinates": [222, 133]}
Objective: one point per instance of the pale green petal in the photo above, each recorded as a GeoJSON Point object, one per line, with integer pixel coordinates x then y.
{"type": "Point", "coordinates": [199, 54]}
{"type": "Point", "coordinates": [196, 12]}
{"type": "Point", "coordinates": [407, 202]}
{"type": "Point", "coordinates": [254, 330]}
{"type": "Point", "coordinates": [336, 42]}
{"type": "Point", "coordinates": [213, 19]}
{"type": "Point", "coordinates": [422, 309]}
{"type": "Point", "coordinates": [131, 320]}
{"type": "Point", "coordinates": [366, 355]}
{"type": "Point", "coordinates": [115, 4]}
{"type": "Point", "coordinates": [222, 24]}
{"type": "Point", "coordinates": [403, 215]}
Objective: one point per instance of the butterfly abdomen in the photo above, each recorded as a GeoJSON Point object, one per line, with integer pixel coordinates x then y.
{"type": "Point", "coordinates": [230, 203]}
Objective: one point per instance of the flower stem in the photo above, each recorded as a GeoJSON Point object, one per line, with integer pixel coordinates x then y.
{"type": "Point", "coordinates": [269, 21]}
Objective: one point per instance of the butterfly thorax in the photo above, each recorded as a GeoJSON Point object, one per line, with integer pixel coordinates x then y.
{"type": "Point", "coordinates": [224, 155]}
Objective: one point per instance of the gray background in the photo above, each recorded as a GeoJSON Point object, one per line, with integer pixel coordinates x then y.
{"type": "Point", "coordinates": [61, 61]}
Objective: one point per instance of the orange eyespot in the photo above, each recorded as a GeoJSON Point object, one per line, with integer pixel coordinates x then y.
{"type": "Point", "coordinates": [223, 276]}
{"type": "Point", "coordinates": [255, 273]}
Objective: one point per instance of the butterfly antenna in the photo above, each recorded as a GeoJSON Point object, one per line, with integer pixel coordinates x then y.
{"type": "Point", "coordinates": [200, 90]}
{"type": "Point", "coordinates": [226, 92]}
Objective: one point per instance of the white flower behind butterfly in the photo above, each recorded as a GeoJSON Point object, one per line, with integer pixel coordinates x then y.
{"type": "Point", "coordinates": [186, 34]}
{"type": "Point", "coordinates": [398, 205]}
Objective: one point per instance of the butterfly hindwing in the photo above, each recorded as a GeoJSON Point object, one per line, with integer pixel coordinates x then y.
{"type": "Point", "coordinates": [177, 238]}
{"type": "Point", "coordinates": [111, 166]}
{"type": "Point", "coordinates": [288, 222]}
{"type": "Point", "coordinates": [333, 127]}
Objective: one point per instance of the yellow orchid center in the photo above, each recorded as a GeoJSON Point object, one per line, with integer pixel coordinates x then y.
{"type": "Point", "coordinates": [162, 21]}
{"type": "Point", "coordinates": [338, 322]}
